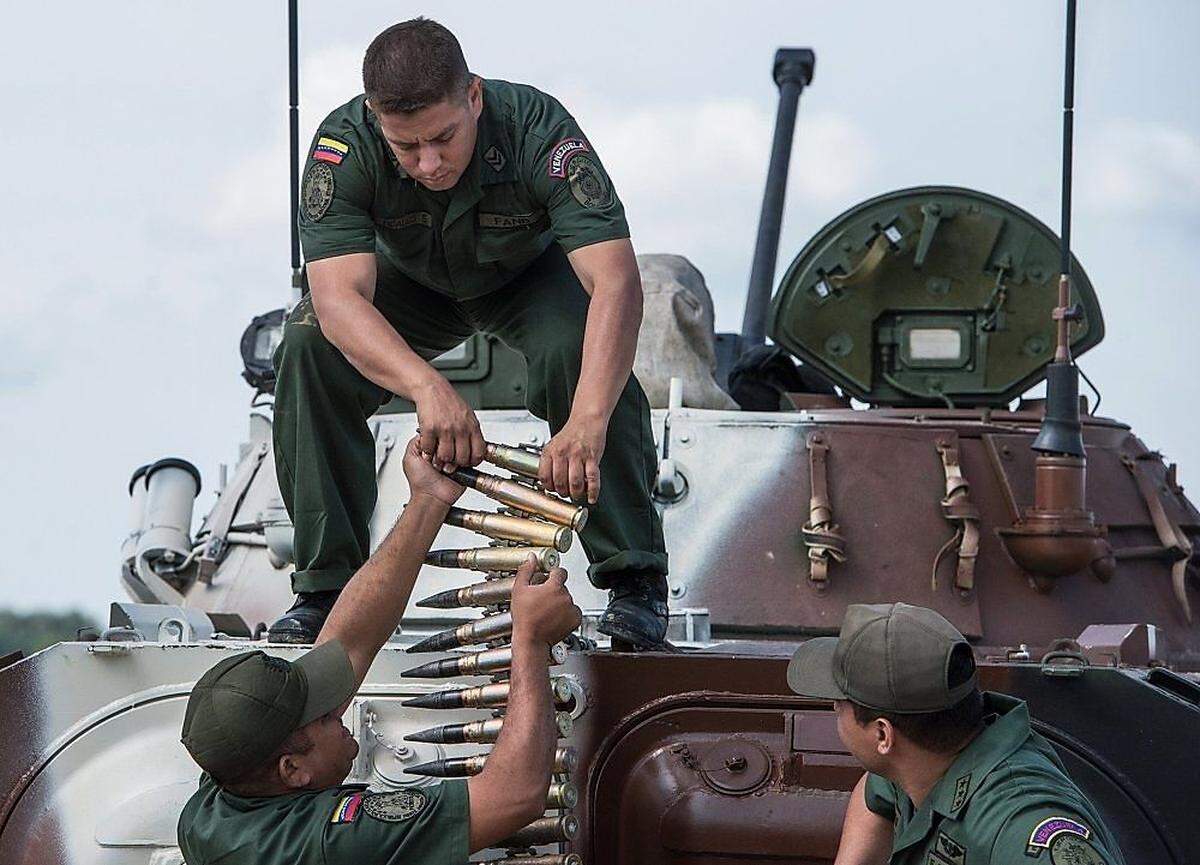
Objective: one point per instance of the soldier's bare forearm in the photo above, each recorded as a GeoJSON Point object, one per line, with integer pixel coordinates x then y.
{"type": "Point", "coordinates": [866, 837]}
{"type": "Point", "coordinates": [511, 790]}
{"type": "Point", "coordinates": [371, 604]}
{"type": "Point", "coordinates": [609, 273]}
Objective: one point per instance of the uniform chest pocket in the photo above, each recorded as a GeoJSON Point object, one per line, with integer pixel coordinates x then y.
{"type": "Point", "coordinates": [408, 233]}
{"type": "Point", "coordinates": [504, 237]}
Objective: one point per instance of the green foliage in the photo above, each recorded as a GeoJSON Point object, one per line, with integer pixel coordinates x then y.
{"type": "Point", "coordinates": [31, 632]}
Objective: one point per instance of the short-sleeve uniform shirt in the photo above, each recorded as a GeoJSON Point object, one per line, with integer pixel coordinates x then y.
{"type": "Point", "coordinates": [427, 825]}
{"type": "Point", "coordinates": [1006, 800]}
{"type": "Point", "coordinates": [534, 179]}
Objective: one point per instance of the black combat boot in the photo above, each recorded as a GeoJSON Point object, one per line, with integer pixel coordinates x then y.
{"type": "Point", "coordinates": [636, 617]}
{"type": "Point", "coordinates": [304, 620]}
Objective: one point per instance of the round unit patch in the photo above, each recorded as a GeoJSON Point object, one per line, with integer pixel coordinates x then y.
{"type": "Point", "coordinates": [588, 184]}
{"type": "Point", "coordinates": [1069, 849]}
{"type": "Point", "coordinates": [395, 807]}
{"type": "Point", "coordinates": [317, 192]}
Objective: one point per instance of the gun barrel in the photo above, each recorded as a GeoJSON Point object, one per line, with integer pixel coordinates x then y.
{"type": "Point", "coordinates": [520, 496]}
{"type": "Point", "coordinates": [509, 528]}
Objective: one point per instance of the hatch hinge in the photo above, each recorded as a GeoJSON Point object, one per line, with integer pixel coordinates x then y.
{"type": "Point", "coordinates": [1175, 543]}
{"type": "Point", "coordinates": [959, 510]}
{"type": "Point", "coordinates": [821, 534]}
{"type": "Point", "coordinates": [221, 519]}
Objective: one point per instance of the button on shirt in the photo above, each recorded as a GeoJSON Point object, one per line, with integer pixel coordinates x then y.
{"type": "Point", "coordinates": [1005, 800]}
{"type": "Point", "coordinates": [426, 825]}
{"type": "Point", "coordinates": [534, 179]}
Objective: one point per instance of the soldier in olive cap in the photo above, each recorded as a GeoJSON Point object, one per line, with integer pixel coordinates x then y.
{"type": "Point", "coordinates": [434, 206]}
{"type": "Point", "coordinates": [955, 775]}
{"type": "Point", "coordinates": [268, 733]}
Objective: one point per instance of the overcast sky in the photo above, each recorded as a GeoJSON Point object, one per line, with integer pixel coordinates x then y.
{"type": "Point", "coordinates": [144, 211]}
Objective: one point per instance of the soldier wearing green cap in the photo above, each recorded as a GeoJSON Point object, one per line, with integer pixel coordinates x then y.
{"type": "Point", "coordinates": [268, 735]}
{"type": "Point", "coordinates": [955, 775]}
{"type": "Point", "coordinates": [434, 206]}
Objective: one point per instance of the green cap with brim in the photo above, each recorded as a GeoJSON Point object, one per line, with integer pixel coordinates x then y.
{"type": "Point", "coordinates": [246, 706]}
{"type": "Point", "coordinates": [888, 657]}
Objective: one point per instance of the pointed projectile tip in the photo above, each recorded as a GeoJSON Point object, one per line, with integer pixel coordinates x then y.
{"type": "Point", "coordinates": [432, 670]}
{"type": "Point", "coordinates": [432, 769]}
{"type": "Point", "coordinates": [441, 601]}
{"type": "Point", "coordinates": [425, 701]}
{"type": "Point", "coordinates": [436, 735]}
{"type": "Point", "coordinates": [434, 643]}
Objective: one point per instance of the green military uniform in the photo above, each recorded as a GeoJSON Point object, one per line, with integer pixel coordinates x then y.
{"type": "Point", "coordinates": [1006, 800]}
{"type": "Point", "coordinates": [344, 824]}
{"type": "Point", "coordinates": [488, 255]}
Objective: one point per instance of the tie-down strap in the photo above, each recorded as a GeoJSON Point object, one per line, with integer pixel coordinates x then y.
{"type": "Point", "coordinates": [820, 534]}
{"type": "Point", "coordinates": [1175, 544]}
{"type": "Point", "coordinates": [958, 509]}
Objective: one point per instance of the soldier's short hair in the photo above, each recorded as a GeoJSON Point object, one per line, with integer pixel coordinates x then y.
{"type": "Point", "coordinates": [413, 65]}
{"type": "Point", "coordinates": [945, 731]}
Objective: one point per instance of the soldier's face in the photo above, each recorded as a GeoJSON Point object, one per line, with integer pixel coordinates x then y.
{"type": "Point", "coordinates": [435, 145]}
{"type": "Point", "coordinates": [333, 752]}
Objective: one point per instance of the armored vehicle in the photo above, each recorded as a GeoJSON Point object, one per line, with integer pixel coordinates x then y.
{"type": "Point", "coordinates": [882, 449]}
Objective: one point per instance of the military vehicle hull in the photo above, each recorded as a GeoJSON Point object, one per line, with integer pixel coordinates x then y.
{"type": "Point", "coordinates": [702, 758]}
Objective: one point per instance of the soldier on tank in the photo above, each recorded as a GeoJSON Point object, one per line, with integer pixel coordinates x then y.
{"type": "Point", "coordinates": [434, 206]}
{"type": "Point", "coordinates": [954, 775]}
{"type": "Point", "coordinates": [268, 734]}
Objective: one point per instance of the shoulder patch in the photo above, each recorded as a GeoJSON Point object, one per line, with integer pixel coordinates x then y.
{"type": "Point", "coordinates": [1044, 833]}
{"type": "Point", "coordinates": [588, 183]}
{"type": "Point", "coordinates": [493, 157]}
{"type": "Point", "coordinates": [560, 155]}
{"type": "Point", "coordinates": [1073, 850]}
{"type": "Point", "coordinates": [346, 809]}
{"type": "Point", "coordinates": [330, 150]}
{"type": "Point", "coordinates": [395, 807]}
{"type": "Point", "coordinates": [947, 851]}
{"type": "Point", "coordinates": [961, 787]}
{"type": "Point", "coordinates": [317, 194]}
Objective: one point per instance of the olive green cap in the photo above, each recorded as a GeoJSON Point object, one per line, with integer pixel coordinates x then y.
{"type": "Point", "coordinates": [889, 657]}
{"type": "Point", "coordinates": [245, 707]}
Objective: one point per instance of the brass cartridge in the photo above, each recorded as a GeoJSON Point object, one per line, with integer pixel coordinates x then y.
{"type": "Point", "coordinates": [481, 732]}
{"type": "Point", "coordinates": [520, 496]}
{"type": "Point", "coordinates": [493, 558]}
{"type": "Point", "coordinates": [522, 461]}
{"type": "Point", "coordinates": [477, 663]}
{"type": "Point", "coordinates": [544, 830]}
{"type": "Point", "coordinates": [509, 528]}
{"type": "Point", "coordinates": [479, 631]}
{"type": "Point", "coordinates": [562, 794]}
{"type": "Point", "coordinates": [464, 767]}
{"type": "Point", "coordinates": [493, 696]}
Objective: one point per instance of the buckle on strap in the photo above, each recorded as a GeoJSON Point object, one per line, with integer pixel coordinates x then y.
{"type": "Point", "coordinates": [820, 534]}
{"type": "Point", "coordinates": [958, 509]}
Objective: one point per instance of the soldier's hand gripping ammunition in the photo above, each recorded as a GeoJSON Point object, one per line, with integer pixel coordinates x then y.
{"type": "Point", "coordinates": [521, 461]}
{"type": "Point", "coordinates": [481, 732]}
{"type": "Point", "coordinates": [544, 830]}
{"type": "Point", "coordinates": [547, 859]}
{"type": "Point", "coordinates": [493, 558]}
{"type": "Point", "coordinates": [520, 496]}
{"type": "Point", "coordinates": [479, 631]}
{"type": "Point", "coordinates": [565, 761]}
{"type": "Point", "coordinates": [493, 696]}
{"type": "Point", "coordinates": [562, 794]}
{"type": "Point", "coordinates": [477, 663]}
{"type": "Point", "coordinates": [509, 528]}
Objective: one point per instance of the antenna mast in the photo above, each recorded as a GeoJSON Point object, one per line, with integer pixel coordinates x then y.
{"type": "Point", "coordinates": [294, 139]}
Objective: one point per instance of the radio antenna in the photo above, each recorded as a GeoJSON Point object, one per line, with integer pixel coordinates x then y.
{"type": "Point", "coordinates": [294, 139]}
